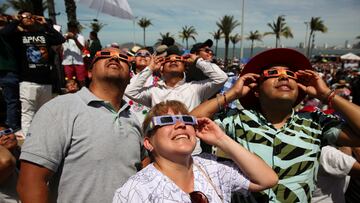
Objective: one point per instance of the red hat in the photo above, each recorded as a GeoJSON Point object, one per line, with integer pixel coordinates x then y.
{"type": "Point", "coordinates": [290, 58]}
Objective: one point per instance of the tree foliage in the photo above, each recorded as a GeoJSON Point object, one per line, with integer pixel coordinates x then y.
{"type": "Point", "coordinates": [186, 33]}
{"type": "Point", "coordinates": [279, 29]}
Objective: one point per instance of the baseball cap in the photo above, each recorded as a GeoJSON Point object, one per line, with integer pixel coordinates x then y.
{"type": "Point", "coordinates": [197, 46]}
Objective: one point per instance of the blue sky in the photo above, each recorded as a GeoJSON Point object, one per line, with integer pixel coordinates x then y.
{"type": "Point", "coordinates": [342, 17]}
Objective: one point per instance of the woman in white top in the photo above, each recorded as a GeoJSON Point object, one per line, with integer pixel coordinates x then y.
{"type": "Point", "coordinates": [177, 176]}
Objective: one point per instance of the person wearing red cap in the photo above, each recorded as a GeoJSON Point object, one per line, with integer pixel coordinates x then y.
{"type": "Point", "coordinates": [271, 85]}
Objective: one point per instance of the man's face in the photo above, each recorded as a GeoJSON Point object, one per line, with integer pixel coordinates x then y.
{"type": "Point", "coordinates": [206, 53]}
{"type": "Point", "coordinates": [174, 64]}
{"type": "Point", "coordinates": [26, 19]}
{"type": "Point", "coordinates": [278, 84]}
{"type": "Point", "coordinates": [142, 58]}
{"type": "Point", "coordinates": [8, 141]}
{"type": "Point", "coordinates": [110, 65]}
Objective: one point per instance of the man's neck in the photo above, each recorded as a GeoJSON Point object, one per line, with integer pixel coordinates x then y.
{"type": "Point", "coordinates": [277, 115]}
{"type": "Point", "coordinates": [172, 80]}
{"type": "Point", "coordinates": [108, 92]}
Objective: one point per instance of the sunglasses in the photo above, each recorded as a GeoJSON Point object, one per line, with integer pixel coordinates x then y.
{"type": "Point", "coordinates": [207, 50]}
{"type": "Point", "coordinates": [170, 120]}
{"type": "Point", "coordinates": [6, 132]}
{"type": "Point", "coordinates": [198, 197]}
{"type": "Point", "coordinates": [143, 54]}
{"type": "Point", "coordinates": [278, 72]}
{"type": "Point", "coordinates": [174, 59]}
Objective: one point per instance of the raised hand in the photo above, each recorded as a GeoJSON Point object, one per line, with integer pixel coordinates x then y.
{"type": "Point", "coordinates": [245, 83]}
{"type": "Point", "coordinates": [312, 84]}
{"type": "Point", "coordinates": [156, 63]}
{"type": "Point", "coordinates": [209, 131]}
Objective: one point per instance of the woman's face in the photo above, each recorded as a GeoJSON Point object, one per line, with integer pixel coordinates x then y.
{"type": "Point", "coordinates": [170, 140]}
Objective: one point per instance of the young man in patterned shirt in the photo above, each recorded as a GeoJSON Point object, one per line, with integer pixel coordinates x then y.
{"type": "Point", "coordinates": [270, 86]}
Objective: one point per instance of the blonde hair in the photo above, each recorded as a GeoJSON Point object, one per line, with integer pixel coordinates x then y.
{"type": "Point", "coordinates": [163, 108]}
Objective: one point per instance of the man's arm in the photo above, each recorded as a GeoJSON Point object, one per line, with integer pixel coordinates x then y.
{"type": "Point", "coordinates": [217, 78]}
{"type": "Point", "coordinates": [54, 37]}
{"type": "Point", "coordinates": [33, 181]}
{"type": "Point", "coordinates": [315, 86]}
{"type": "Point", "coordinates": [136, 90]}
{"type": "Point", "coordinates": [242, 87]}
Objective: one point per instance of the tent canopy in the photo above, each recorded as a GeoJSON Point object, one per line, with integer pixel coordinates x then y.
{"type": "Point", "coordinates": [350, 56]}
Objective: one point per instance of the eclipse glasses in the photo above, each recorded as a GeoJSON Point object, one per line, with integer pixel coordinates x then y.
{"type": "Point", "coordinates": [270, 73]}
{"type": "Point", "coordinates": [170, 120]}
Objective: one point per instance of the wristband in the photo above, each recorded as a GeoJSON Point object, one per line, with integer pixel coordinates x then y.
{"type": "Point", "coordinates": [217, 99]}
{"type": "Point", "coordinates": [225, 101]}
{"type": "Point", "coordinates": [330, 98]}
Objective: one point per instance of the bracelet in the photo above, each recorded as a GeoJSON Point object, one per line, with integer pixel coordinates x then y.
{"type": "Point", "coordinates": [326, 99]}
{"type": "Point", "coordinates": [217, 99]}
{"type": "Point", "coordinates": [225, 101]}
{"type": "Point", "coordinates": [330, 98]}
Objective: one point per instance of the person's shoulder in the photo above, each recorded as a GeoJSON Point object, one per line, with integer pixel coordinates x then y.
{"type": "Point", "coordinates": [141, 180]}
{"type": "Point", "coordinates": [61, 102]}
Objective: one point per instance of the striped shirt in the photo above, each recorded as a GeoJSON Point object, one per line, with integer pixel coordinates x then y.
{"type": "Point", "coordinates": [292, 151]}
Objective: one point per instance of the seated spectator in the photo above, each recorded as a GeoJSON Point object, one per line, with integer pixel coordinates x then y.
{"type": "Point", "coordinates": [177, 176]}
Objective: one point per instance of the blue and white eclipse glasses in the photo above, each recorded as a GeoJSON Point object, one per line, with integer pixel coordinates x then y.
{"type": "Point", "coordinates": [170, 120]}
{"type": "Point", "coordinates": [6, 132]}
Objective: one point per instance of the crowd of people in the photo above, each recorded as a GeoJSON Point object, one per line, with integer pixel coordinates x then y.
{"type": "Point", "coordinates": [159, 124]}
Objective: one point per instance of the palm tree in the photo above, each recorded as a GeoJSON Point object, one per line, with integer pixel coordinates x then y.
{"type": "Point", "coordinates": [51, 10]}
{"type": "Point", "coordinates": [316, 24]}
{"type": "Point", "coordinates": [4, 7]}
{"type": "Point", "coordinates": [163, 36]}
{"type": "Point", "coordinates": [254, 36]}
{"type": "Point", "coordinates": [144, 23]}
{"type": "Point", "coordinates": [186, 33]}
{"type": "Point", "coordinates": [279, 29]}
{"type": "Point", "coordinates": [234, 40]}
{"type": "Point", "coordinates": [217, 36]}
{"type": "Point", "coordinates": [227, 24]}
{"type": "Point", "coordinates": [70, 7]}
{"type": "Point", "coordinates": [96, 25]}
{"type": "Point", "coordinates": [34, 6]}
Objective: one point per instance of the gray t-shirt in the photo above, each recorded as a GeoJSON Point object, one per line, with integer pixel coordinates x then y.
{"type": "Point", "coordinates": [91, 148]}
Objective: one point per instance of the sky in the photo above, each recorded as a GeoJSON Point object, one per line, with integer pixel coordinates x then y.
{"type": "Point", "coordinates": [342, 17]}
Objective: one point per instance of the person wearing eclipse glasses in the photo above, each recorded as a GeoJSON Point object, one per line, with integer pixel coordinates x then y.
{"type": "Point", "coordinates": [177, 176]}
{"type": "Point", "coordinates": [173, 85]}
{"type": "Point", "coordinates": [140, 61]}
{"type": "Point", "coordinates": [32, 39]}
{"type": "Point", "coordinates": [81, 146]}
{"type": "Point", "coordinates": [204, 51]}
{"type": "Point", "coordinates": [271, 85]}
{"type": "Point", "coordinates": [9, 157]}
